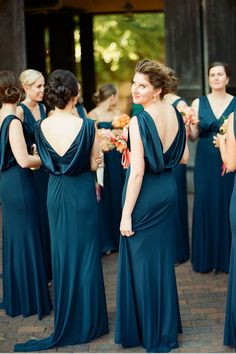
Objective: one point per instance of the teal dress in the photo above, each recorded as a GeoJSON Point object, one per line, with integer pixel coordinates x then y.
{"type": "Point", "coordinates": [80, 110]}
{"type": "Point", "coordinates": [40, 177]}
{"type": "Point", "coordinates": [147, 311]}
{"type": "Point", "coordinates": [110, 203]}
{"type": "Point", "coordinates": [211, 235]}
{"type": "Point", "coordinates": [79, 299]}
{"type": "Point", "coordinates": [182, 239]}
{"type": "Point", "coordinates": [230, 318]}
{"type": "Point", "coordinates": [25, 290]}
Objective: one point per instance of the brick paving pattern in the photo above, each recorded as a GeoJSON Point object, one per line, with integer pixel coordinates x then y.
{"type": "Point", "coordinates": [202, 305]}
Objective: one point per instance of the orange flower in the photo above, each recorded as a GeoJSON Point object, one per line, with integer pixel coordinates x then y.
{"type": "Point", "coordinates": [121, 121]}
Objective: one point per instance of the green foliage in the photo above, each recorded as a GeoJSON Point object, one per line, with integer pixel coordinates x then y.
{"type": "Point", "coordinates": [121, 40]}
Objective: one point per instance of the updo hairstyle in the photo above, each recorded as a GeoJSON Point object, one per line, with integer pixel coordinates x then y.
{"type": "Point", "coordinates": [61, 87]}
{"type": "Point", "coordinates": [104, 92]}
{"type": "Point", "coordinates": [29, 76]}
{"type": "Point", "coordinates": [158, 75]}
{"type": "Point", "coordinates": [10, 87]}
{"type": "Point", "coordinates": [219, 63]}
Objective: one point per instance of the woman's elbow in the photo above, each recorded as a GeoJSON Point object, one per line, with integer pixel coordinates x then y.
{"type": "Point", "coordinates": [23, 164]}
{"type": "Point", "coordinates": [230, 165]}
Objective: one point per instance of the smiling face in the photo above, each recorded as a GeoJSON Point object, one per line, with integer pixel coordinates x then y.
{"type": "Point", "coordinates": [36, 90]}
{"type": "Point", "coordinates": [142, 90]}
{"type": "Point", "coordinates": [218, 78]}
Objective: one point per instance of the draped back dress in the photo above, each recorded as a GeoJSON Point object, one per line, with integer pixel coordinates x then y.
{"type": "Point", "coordinates": [80, 313]}
{"type": "Point", "coordinates": [147, 300]}
{"type": "Point", "coordinates": [25, 289]}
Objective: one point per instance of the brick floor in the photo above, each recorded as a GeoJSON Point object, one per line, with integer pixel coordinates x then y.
{"type": "Point", "coordinates": [202, 304]}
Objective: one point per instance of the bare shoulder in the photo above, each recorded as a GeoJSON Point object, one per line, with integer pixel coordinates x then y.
{"type": "Point", "coordinates": [93, 114]}
{"type": "Point", "coordinates": [20, 113]}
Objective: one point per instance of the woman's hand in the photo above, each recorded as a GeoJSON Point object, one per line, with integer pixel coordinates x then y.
{"type": "Point", "coordinates": [100, 159]}
{"type": "Point", "coordinates": [219, 140]}
{"type": "Point", "coordinates": [126, 226]}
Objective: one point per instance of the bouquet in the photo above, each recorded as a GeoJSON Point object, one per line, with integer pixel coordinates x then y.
{"type": "Point", "coordinates": [189, 116]}
{"type": "Point", "coordinates": [116, 138]}
{"type": "Point", "coordinates": [106, 139]}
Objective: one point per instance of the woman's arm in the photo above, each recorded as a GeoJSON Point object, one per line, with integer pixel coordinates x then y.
{"type": "Point", "coordinates": [20, 113]}
{"type": "Point", "coordinates": [227, 145]}
{"type": "Point", "coordinates": [193, 132]}
{"type": "Point", "coordinates": [18, 147]}
{"type": "Point", "coordinates": [137, 167]}
{"type": "Point", "coordinates": [95, 157]}
{"type": "Point", "coordinates": [185, 158]}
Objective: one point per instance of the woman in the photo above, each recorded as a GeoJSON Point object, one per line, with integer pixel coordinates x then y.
{"type": "Point", "coordinates": [147, 300]}
{"type": "Point", "coordinates": [106, 99]}
{"type": "Point", "coordinates": [182, 239]}
{"type": "Point", "coordinates": [68, 148]}
{"type": "Point", "coordinates": [227, 148]}
{"type": "Point", "coordinates": [211, 235]}
{"type": "Point", "coordinates": [30, 110]}
{"type": "Point", "coordinates": [25, 288]}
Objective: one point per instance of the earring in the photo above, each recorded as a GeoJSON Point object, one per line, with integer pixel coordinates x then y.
{"type": "Point", "coordinates": [154, 99]}
{"type": "Point", "coordinates": [28, 99]}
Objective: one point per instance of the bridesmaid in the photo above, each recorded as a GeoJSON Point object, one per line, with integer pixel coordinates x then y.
{"type": "Point", "coordinates": [30, 110]}
{"type": "Point", "coordinates": [106, 99]}
{"type": "Point", "coordinates": [227, 148]}
{"type": "Point", "coordinates": [147, 299]}
{"type": "Point", "coordinates": [211, 235]}
{"type": "Point", "coordinates": [25, 288]}
{"type": "Point", "coordinates": [68, 147]}
{"type": "Point", "coordinates": [180, 171]}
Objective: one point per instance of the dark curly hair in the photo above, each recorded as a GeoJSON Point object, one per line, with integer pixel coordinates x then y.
{"type": "Point", "coordinates": [10, 87]}
{"type": "Point", "coordinates": [61, 87]}
{"type": "Point", "coordinates": [158, 75]}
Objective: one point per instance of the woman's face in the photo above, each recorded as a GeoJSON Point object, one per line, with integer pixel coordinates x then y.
{"type": "Point", "coordinates": [142, 90]}
{"type": "Point", "coordinates": [218, 78]}
{"type": "Point", "coordinates": [114, 99]}
{"type": "Point", "coordinates": [36, 90]}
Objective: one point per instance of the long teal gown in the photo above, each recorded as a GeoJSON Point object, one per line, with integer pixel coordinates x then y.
{"type": "Point", "coordinates": [182, 239]}
{"type": "Point", "coordinates": [211, 235]}
{"type": "Point", "coordinates": [79, 299]}
{"type": "Point", "coordinates": [40, 177]}
{"type": "Point", "coordinates": [147, 311]}
{"type": "Point", "coordinates": [25, 289]}
{"type": "Point", "coordinates": [230, 318]}
{"type": "Point", "coordinates": [110, 203]}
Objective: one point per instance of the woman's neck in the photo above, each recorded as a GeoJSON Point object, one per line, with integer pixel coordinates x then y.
{"type": "Point", "coordinates": [7, 109]}
{"type": "Point", "coordinates": [218, 94]}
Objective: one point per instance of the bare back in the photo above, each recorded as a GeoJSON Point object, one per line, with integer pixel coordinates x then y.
{"type": "Point", "coordinates": [166, 122]}
{"type": "Point", "coordinates": [60, 130]}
